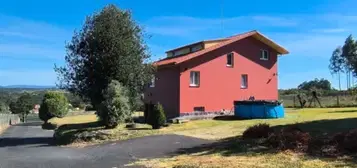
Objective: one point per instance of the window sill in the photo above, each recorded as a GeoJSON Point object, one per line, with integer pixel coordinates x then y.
{"type": "Point", "coordinates": [243, 87]}
{"type": "Point", "coordinates": [264, 59]}
{"type": "Point", "coordinates": [194, 86]}
{"type": "Point", "coordinates": [229, 66]}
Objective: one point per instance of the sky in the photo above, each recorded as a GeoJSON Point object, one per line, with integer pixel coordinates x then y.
{"type": "Point", "coordinates": [33, 34]}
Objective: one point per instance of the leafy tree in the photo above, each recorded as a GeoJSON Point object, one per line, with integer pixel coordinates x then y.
{"type": "Point", "coordinates": [157, 117]}
{"type": "Point", "coordinates": [337, 64]}
{"type": "Point", "coordinates": [115, 108]}
{"type": "Point", "coordinates": [22, 105]}
{"type": "Point", "coordinates": [322, 84]}
{"type": "Point", "coordinates": [349, 53]}
{"type": "Point", "coordinates": [54, 104]}
{"type": "Point", "coordinates": [4, 108]}
{"type": "Point", "coordinates": [110, 46]}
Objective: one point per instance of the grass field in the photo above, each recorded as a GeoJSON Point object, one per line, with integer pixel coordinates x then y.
{"type": "Point", "coordinates": [230, 151]}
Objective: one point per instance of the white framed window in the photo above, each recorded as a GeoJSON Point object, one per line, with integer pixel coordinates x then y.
{"type": "Point", "coordinates": [194, 78]}
{"type": "Point", "coordinates": [152, 82]}
{"type": "Point", "coordinates": [244, 81]}
{"type": "Point", "coordinates": [264, 55]}
{"type": "Point", "coordinates": [230, 59]}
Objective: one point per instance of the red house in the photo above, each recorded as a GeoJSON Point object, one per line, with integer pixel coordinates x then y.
{"type": "Point", "coordinates": [209, 75]}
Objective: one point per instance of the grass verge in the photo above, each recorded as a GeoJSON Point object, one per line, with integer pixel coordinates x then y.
{"type": "Point", "coordinates": [232, 151]}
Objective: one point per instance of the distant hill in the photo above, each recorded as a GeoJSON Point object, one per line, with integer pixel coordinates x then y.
{"type": "Point", "coordinates": [27, 87]}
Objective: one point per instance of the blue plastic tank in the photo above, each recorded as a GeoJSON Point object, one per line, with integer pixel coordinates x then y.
{"type": "Point", "coordinates": [258, 109]}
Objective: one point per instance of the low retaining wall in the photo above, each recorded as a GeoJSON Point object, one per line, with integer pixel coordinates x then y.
{"type": "Point", "coordinates": [9, 119]}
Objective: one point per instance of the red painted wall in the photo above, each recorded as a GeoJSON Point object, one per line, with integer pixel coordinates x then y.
{"type": "Point", "coordinates": [221, 85]}
{"type": "Point", "coordinates": [166, 90]}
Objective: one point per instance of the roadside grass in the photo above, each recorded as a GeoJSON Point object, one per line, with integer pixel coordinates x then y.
{"type": "Point", "coordinates": [285, 159]}
{"type": "Point", "coordinates": [215, 129]}
{"type": "Point", "coordinates": [230, 150]}
{"type": "Point", "coordinates": [75, 119]}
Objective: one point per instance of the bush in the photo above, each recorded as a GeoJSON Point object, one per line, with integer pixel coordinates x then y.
{"type": "Point", "coordinates": [54, 104]}
{"type": "Point", "coordinates": [290, 138]}
{"type": "Point", "coordinates": [115, 108]}
{"type": "Point", "coordinates": [257, 131]}
{"type": "Point", "coordinates": [157, 118]}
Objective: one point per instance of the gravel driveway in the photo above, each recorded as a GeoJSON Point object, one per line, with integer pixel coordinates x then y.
{"type": "Point", "coordinates": [27, 145]}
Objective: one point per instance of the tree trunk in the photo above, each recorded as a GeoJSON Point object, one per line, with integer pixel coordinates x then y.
{"type": "Point", "coordinates": [347, 78]}
{"type": "Point", "coordinates": [339, 80]}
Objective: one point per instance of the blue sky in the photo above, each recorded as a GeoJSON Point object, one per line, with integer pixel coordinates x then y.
{"type": "Point", "coordinates": [33, 33]}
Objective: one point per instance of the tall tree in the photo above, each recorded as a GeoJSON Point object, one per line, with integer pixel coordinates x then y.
{"type": "Point", "coordinates": [349, 53]}
{"type": "Point", "coordinates": [322, 84]}
{"type": "Point", "coordinates": [110, 46]}
{"type": "Point", "coordinates": [22, 105]}
{"type": "Point", "coordinates": [337, 64]}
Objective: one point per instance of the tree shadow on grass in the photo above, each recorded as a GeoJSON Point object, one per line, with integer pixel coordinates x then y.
{"type": "Point", "coordinates": [69, 133]}
{"type": "Point", "coordinates": [238, 146]}
{"type": "Point", "coordinates": [343, 111]}
{"type": "Point", "coordinates": [227, 118]}
{"type": "Point", "coordinates": [81, 126]}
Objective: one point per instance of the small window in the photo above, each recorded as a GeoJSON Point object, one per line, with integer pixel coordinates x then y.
{"type": "Point", "coordinates": [244, 81]}
{"type": "Point", "coordinates": [230, 59]}
{"type": "Point", "coordinates": [264, 55]}
{"type": "Point", "coordinates": [196, 48]}
{"type": "Point", "coordinates": [152, 82]}
{"type": "Point", "coordinates": [201, 109]}
{"type": "Point", "coordinates": [194, 78]}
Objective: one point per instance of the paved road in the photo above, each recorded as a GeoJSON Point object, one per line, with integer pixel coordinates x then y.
{"type": "Point", "coordinates": [27, 145]}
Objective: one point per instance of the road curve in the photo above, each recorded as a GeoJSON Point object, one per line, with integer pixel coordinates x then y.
{"type": "Point", "coordinates": [27, 145]}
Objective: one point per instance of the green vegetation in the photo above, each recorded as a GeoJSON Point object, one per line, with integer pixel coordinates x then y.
{"type": "Point", "coordinates": [22, 105]}
{"type": "Point", "coordinates": [110, 46]}
{"type": "Point", "coordinates": [157, 118]}
{"type": "Point", "coordinates": [231, 150]}
{"type": "Point", "coordinates": [316, 84]}
{"type": "Point", "coordinates": [54, 104]}
{"type": "Point", "coordinates": [115, 108]}
{"type": "Point", "coordinates": [217, 129]}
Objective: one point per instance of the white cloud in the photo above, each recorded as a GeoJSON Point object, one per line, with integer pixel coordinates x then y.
{"type": "Point", "coordinates": [185, 26]}
{"type": "Point", "coordinates": [34, 30]}
{"type": "Point", "coordinates": [276, 21]}
{"type": "Point", "coordinates": [25, 50]}
{"type": "Point", "coordinates": [28, 77]}
{"type": "Point", "coordinates": [22, 38]}
{"type": "Point", "coordinates": [332, 30]}
{"type": "Point", "coordinates": [305, 44]}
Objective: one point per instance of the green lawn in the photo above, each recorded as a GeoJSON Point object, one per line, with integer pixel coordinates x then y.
{"type": "Point", "coordinates": [230, 151]}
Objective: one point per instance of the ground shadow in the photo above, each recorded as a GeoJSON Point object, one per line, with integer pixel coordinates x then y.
{"type": "Point", "coordinates": [139, 128]}
{"type": "Point", "coordinates": [82, 126]}
{"type": "Point", "coordinates": [227, 118]}
{"type": "Point", "coordinates": [43, 141]}
{"type": "Point", "coordinates": [343, 111]}
{"type": "Point", "coordinates": [239, 146]}
{"type": "Point", "coordinates": [29, 124]}
{"type": "Point", "coordinates": [324, 127]}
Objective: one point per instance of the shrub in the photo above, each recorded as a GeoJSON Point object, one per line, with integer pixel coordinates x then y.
{"type": "Point", "coordinates": [54, 104]}
{"type": "Point", "coordinates": [157, 118]}
{"type": "Point", "coordinates": [115, 108]}
{"type": "Point", "coordinates": [257, 131]}
{"type": "Point", "coordinates": [290, 138]}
